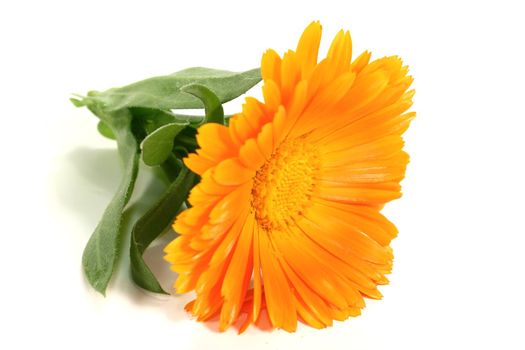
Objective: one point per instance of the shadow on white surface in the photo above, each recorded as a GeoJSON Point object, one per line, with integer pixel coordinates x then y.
{"type": "Point", "coordinates": [86, 179]}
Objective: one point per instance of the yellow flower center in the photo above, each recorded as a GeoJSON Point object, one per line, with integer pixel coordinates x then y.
{"type": "Point", "coordinates": [283, 185]}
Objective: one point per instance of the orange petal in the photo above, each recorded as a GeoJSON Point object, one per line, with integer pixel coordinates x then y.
{"type": "Point", "coordinates": [198, 164]}
{"type": "Point", "coordinates": [272, 95]}
{"type": "Point", "coordinates": [237, 277]}
{"type": "Point", "coordinates": [271, 66]}
{"type": "Point", "coordinates": [231, 172]}
{"type": "Point", "coordinates": [279, 299]}
{"type": "Point", "coordinates": [308, 48]}
{"type": "Point", "coordinates": [265, 140]}
{"type": "Point", "coordinates": [257, 289]}
{"type": "Point", "coordinates": [228, 206]}
{"type": "Point", "coordinates": [251, 155]}
{"type": "Point", "coordinates": [214, 140]}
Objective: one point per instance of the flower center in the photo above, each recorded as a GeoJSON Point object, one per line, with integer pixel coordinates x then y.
{"type": "Point", "coordinates": [283, 185]}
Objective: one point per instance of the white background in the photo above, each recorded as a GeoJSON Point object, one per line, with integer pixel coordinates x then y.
{"type": "Point", "coordinates": [458, 280]}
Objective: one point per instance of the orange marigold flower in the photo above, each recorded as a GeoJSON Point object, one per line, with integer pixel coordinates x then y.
{"type": "Point", "coordinates": [287, 217]}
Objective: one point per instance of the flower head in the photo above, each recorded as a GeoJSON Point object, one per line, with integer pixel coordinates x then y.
{"type": "Point", "coordinates": [286, 216]}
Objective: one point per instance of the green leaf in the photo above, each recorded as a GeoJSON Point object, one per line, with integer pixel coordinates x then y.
{"type": "Point", "coordinates": [77, 102]}
{"type": "Point", "coordinates": [152, 119]}
{"type": "Point", "coordinates": [105, 130]}
{"type": "Point", "coordinates": [152, 224]}
{"type": "Point", "coordinates": [164, 93]}
{"type": "Point", "coordinates": [102, 250]}
{"type": "Point", "coordinates": [212, 104]}
{"type": "Point", "coordinates": [157, 146]}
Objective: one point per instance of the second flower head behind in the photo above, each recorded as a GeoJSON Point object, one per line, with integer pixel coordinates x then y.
{"type": "Point", "coordinates": [286, 217]}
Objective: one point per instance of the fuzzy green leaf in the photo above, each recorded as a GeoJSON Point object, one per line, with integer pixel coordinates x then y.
{"type": "Point", "coordinates": [102, 250]}
{"type": "Point", "coordinates": [152, 224]}
{"type": "Point", "coordinates": [157, 146]}
{"type": "Point", "coordinates": [77, 102]}
{"type": "Point", "coordinates": [164, 93]}
{"type": "Point", "coordinates": [105, 130]}
{"type": "Point", "coordinates": [152, 119]}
